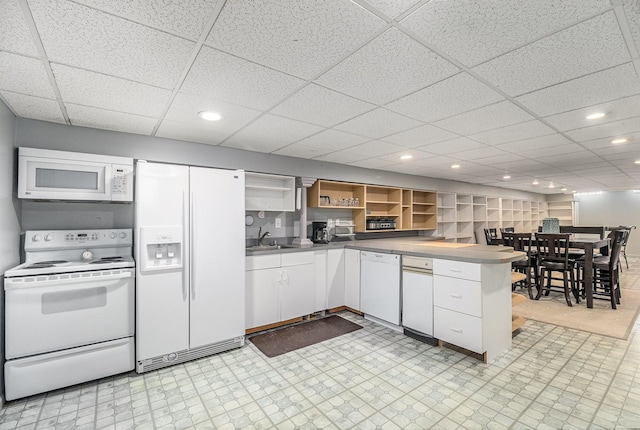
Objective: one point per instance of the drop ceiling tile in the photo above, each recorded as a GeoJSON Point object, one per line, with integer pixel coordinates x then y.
{"type": "Point", "coordinates": [342, 157]}
{"type": "Point", "coordinates": [612, 150]}
{"type": "Point", "coordinates": [83, 37]}
{"type": "Point", "coordinates": [616, 110]}
{"type": "Point", "coordinates": [333, 140]}
{"type": "Point", "coordinates": [201, 133]}
{"type": "Point", "coordinates": [378, 123]}
{"type": "Point", "coordinates": [539, 153]}
{"type": "Point", "coordinates": [535, 143]}
{"type": "Point", "coordinates": [86, 88]}
{"type": "Point", "coordinates": [516, 132]}
{"type": "Point", "coordinates": [452, 96]}
{"type": "Point", "coordinates": [452, 146]}
{"type": "Point", "coordinates": [15, 35]}
{"type": "Point", "coordinates": [24, 75]}
{"type": "Point", "coordinates": [486, 152]}
{"type": "Point", "coordinates": [26, 106]}
{"type": "Point", "coordinates": [588, 47]}
{"type": "Point", "coordinates": [391, 66]}
{"type": "Point", "coordinates": [185, 109]}
{"type": "Point", "coordinates": [420, 136]}
{"type": "Point", "coordinates": [605, 142]}
{"type": "Point", "coordinates": [486, 118]}
{"type": "Point", "coordinates": [179, 17]}
{"type": "Point", "coordinates": [299, 37]}
{"type": "Point", "coordinates": [393, 8]}
{"type": "Point", "coordinates": [610, 129]}
{"type": "Point", "coordinates": [375, 148]}
{"type": "Point", "coordinates": [85, 116]}
{"type": "Point", "coordinates": [321, 106]}
{"type": "Point", "coordinates": [589, 90]}
{"type": "Point", "coordinates": [560, 156]}
{"type": "Point", "coordinates": [270, 132]}
{"type": "Point", "coordinates": [416, 155]}
{"type": "Point", "coordinates": [301, 151]}
{"type": "Point", "coordinates": [473, 31]}
{"type": "Point", "coordinates": [374, 163]}
{"type": "Point", "coordinates": [225, 77]}
{"type": "Point", "coordinates": [632, 13]}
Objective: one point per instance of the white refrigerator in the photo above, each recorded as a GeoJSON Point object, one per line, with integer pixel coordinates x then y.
{"type": "Point", "coordinates": [190, 253]}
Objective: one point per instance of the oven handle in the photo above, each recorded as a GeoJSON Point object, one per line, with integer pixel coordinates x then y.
{"type": "Point", "coordinates": [10, 284]}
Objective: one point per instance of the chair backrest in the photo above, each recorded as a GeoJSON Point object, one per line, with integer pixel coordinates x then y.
{"type": "Point", "coordinates": [553, 247]}
{"type": "Point", "coordinates": [619, 239]}
{"type": "Point", "coordinates": [490, 233]}
{"type": "Point", "coordinates": [519, 241]}
{"type": "Point", "coordinates": [507, 229]}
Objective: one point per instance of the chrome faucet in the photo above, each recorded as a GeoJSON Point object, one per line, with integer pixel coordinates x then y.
{"type": "Point", "coordinates": [262, 236]}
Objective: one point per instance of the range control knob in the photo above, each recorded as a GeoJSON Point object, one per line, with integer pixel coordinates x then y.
{"type": "Point", "coordinates": [112, 235]}
{"type": "Point", "coordinates": [48, 238]}
{"type": "Point", "coordinates": [123, 235]}
{"type": "Point", "coordinates": [36, 238]}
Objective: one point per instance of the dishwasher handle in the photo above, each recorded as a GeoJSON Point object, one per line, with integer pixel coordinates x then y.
{"type": "Point", "coordinates": [417, 270]}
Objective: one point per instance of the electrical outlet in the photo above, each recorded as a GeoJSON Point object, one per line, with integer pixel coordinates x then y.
{"type": "Point", "coordinates": [278, 222]}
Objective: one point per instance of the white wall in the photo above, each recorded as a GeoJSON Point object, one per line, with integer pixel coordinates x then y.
{"type": "Point", "coordinates": [9, 213]}
{"type": "Point", "coordinates": [612, 209]}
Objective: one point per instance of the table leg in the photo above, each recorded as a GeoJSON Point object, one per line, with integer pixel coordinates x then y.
{"type": "Point", "coordinates": [588, 274]}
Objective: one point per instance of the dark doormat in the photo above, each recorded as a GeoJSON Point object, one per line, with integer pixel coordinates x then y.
{"type": "Point", "coordinates": [288, 339]}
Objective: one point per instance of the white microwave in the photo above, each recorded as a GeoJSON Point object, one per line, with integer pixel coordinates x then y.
{"type": "Point", "coordinates": [44, 174]}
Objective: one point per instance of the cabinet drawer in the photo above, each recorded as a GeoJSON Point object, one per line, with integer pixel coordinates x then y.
{"type": "Point", "coordinates": [262, 261]}
{"type": "Point", "coordinates": [457, 269]}
{"type": "Point", "coordinates": [459, 329]}
{"type": "Point", "coordinates": [297, 258]}
{"type": "Point", "coordinates": [459, 295]}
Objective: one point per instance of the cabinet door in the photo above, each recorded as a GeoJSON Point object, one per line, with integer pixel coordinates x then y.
{"type": "Point", "coordinates": [335, 278]}
{"type": "Point", "coordinates": [352, 278]}
{"type": "Point", "coordinates": [297, 291]}
{"type": "Point", "coordinates": [262, 297]}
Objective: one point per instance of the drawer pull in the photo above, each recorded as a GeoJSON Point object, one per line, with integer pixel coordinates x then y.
{"type": "Point", "coordinates": [455, 270]}
{"type": "Point", "coordinates": [457, 330]}
{"type": "Point", "coordinates": [456, 296]}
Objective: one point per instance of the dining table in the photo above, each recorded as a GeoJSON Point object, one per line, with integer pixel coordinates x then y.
{"type": "Point", "coordinates": [589, 245]}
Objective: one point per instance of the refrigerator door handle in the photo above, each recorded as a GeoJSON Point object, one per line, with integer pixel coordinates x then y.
{"type": "Point", "coordinates": [194, 234]}
{"type": "Point", "coordinates": [185, 272]}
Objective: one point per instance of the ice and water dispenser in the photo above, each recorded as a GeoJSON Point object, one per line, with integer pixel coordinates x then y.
{"type": "Point", "coordinates": [161, 248]}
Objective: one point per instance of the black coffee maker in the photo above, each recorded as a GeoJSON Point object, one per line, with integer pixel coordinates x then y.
{"type": "Point", "coordinates": [319, 232]}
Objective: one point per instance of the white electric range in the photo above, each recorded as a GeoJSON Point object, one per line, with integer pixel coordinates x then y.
{"type": "Point", "coordinates": [69, 310]}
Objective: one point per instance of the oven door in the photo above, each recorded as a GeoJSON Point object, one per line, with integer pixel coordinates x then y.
{"type": "Point", "coordinates": [53, 312]}
{"type": "Point", "coordinates": [41, 178]}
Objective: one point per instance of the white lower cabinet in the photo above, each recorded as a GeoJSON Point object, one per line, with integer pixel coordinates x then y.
{"type": "Point", "coordinates": [279, 287]}
{"type": "Point", "coordinates": [335, 278]}
{"type": "Point", "coordinates": [352, 278]}
{"type": "Point", "coordinates": [472, 306]}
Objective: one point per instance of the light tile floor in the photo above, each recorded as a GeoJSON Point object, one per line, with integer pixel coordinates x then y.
{"type": "Point", "coordinates": [374, 378]}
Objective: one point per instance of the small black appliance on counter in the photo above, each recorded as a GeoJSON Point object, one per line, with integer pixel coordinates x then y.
{"type": "Point", "coordinates": [319, 232]}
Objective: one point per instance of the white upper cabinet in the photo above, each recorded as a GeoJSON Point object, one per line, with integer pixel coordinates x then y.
{"type": "Point", "coordinates": [266, 192]}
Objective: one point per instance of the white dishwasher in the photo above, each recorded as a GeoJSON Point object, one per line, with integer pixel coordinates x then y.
{"type": "Point", "coordinates": [417, 297]}
{"type": "Point", "coordinates": [380, 286]}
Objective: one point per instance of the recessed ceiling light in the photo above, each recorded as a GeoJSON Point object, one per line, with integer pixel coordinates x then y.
{"type": "Point", "coordinates": [621, 140]}
{"type": "Point", "coordinates": [455, 166]}
{"type": "Point", "coordinates": [551, 185]}
{"type": "Point", "coordinates": [564, 188]}
{"type": "Point", "coordinates": [596, 115]}
{"type": "Point", "coordinates": [637, 161]}
{"type": "Point", "coordinates": [208, 115]}
{"type": "Point", "coordinates": [506, 177]}
{"type": "Point", "coordinates": [406, 157]}
{"type": "Point", "coordinates": [574, 191]}
{"type": "Point", "coordinates": [535, 182]}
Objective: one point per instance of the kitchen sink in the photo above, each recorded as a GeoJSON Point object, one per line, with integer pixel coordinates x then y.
{"type": "Point", "coordinates": [268, 247]}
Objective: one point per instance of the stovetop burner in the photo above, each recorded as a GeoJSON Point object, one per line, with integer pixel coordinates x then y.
{"type": "Point", "coordinates": [39, 266]}
{"type": "Point", "coordinates": [51, 262]}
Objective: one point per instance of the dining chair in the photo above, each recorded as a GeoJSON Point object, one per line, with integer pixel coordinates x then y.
{"type": "Point", "coordinates": [490, 235]}
{"type": "Point", "coordinates": [507, 230]}
{"type": "Point", "coordinates": [623, 250]}
{"type": "Point", "coordinates": [522, 242]}
{"type": "Point", "coordinates": [606, 271]}
{"type": "Point", "coordinates": [553, 256]}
